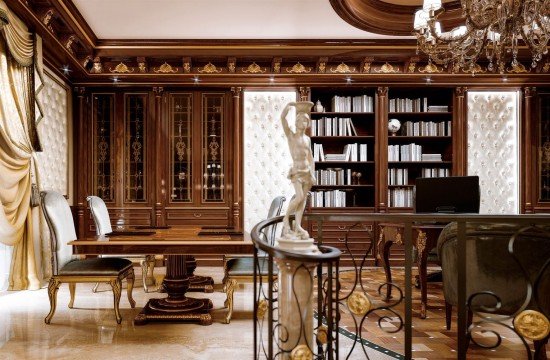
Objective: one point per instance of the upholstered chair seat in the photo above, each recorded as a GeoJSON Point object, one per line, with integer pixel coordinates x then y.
{"type": "Point", "coordinates": [103, 226]}
{"type": "Point", "coordinates": [241, 268]}
{"type": "Point", "coordinates": [68, 269]}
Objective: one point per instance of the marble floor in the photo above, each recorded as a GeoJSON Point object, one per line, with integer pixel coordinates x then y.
{"type": "Point", "coordinates": [90, 331]}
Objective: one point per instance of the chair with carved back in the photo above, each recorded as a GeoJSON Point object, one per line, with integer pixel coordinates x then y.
{"type": "Point", "coordinates": [103, 226]}
{"type": "Point", "coordinates": [68, 269]}
{"type": "Point", "coordinates": [507, 273]}
{"type": "Point", "coordinates": [241, 268]}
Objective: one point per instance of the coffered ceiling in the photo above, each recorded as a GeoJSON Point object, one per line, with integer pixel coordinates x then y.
{"type": "Point", "coordinates": [217, 19]}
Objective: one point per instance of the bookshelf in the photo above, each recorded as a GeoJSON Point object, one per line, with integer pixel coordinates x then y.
{"type": "Point", "coordinates": [423, 146]}
{"type": "Point", "coordinates": [343, 138]}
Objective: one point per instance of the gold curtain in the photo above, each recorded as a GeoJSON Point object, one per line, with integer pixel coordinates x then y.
{"type": "Point", "coordinates": [17, 135]}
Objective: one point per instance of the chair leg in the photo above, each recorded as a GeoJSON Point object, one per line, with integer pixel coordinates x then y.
{"type": "Point", "coordinates": [94, 289]}
{"type": "Point", "coordinates": [53, 286]}
{"type": "Point", "coordinates": [72, 290]}
{"type": "Point", "coordinates": [130, 286]}
{"type": "Point", "coordinates": [148, 263]}
{"type": "Point", "coordinates": [448, 315]}
{"type": "Point", "coordinates": [116, 284]}
{"type": "Point", "coordinates": [230, 286]}
{"type": "Point", "coordinates": [540, 349]}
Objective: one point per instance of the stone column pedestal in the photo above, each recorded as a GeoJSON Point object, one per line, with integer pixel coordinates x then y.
{"type": "Point", "coordinates": [295, 302]}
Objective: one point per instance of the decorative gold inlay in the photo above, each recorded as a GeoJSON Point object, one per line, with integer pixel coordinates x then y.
{"type": "Point", "coordinates": [210, 69]}
{"type": "Point", "coordinates": [532, 325]}
{"type": "Point", "coordinates": [142, 67]}
{"type": "Point", "coordinates": [412, 66]}
{"type": "Point", "coordinates": [431, 68]}
{"type": "Point", "coordinates": [277, 67]}
{"type": "Point", "coordinates": [121, 69]}
{"type": "Point", "coordinates": [322, 334]}
{"type": "Point", "coordinates": [186, 67]}
{"type": "Point", "coordinates": [398, 239]}
{"type": "Point", "coordinates": [69, 43]}
{"type": "Point", "coordinates": [262, 309]}
{"type": "Point", "coordinates": [546, 67]}
{"type": "Point", "coordinates": [421, 242]}
{"type": "Point", "coordinates": [97, 68]}
{"type": "Point", "coordinates": [476, 69]}
{"type": "Point", "coordinates": [322, 67]}
{"type": "Point", "coordinates": [299, 69]}
{"type": "Point", "coordinates": [301, 352]}
{"type": "Point", "coordinates": [166, 68]}
{"type": "Point", "coordinates": [358, 303]}
{"type": "Point", "coordinates": [387, 68]}
{"type": "Point", "coordinates": [519, 68]}
{"type": "Point", "coordinates": [342, 69]}
{"type": "Point", "coordinates": [366, 67]}
{"type": "Point", "coordinates": [254, 69]}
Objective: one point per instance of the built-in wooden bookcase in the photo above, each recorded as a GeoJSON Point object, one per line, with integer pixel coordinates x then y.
{"type": "Point", "coordinates": [423, 146]}
{"type": "Point", "coordinates": [542, 156]}
{"type": "Point", "coordinates": [343, 138]}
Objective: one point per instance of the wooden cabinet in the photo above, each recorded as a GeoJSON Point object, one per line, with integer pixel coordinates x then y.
{"type": "Point", "coordinates": [156, 158]}
{"type": "Point", "coordinates": [539, 187]}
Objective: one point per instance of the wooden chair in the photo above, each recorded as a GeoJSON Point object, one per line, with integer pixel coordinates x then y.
{"type": "Point", "coordinates": [103, 227]}
{"type": "Point", "coordinates": [241, 268]}
{"type": "Point", "coordinates": [67, 269]}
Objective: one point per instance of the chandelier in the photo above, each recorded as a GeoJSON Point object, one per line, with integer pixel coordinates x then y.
{"type": "Point", "coordinates": [495, 29]}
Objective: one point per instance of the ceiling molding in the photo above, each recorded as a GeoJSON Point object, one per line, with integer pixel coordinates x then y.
{"type": "Point", "coordinates": [380, 17]}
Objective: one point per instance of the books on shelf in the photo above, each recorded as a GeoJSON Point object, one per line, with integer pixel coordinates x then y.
{"type": "Point", "coordinates": [435, 172]}
{"type": "Point", "coordinates": [333, 176]}
{"type": "Point", "coordinates": [400, 197]}
{"type": "Point", "coordinates": [431, 157]}
{"type": "Point", "coordinates": [438, 108]}
{"type": "Point", "coordinates": [332, 127]}
{"type": "Point", "coordinates": [408, 105]}
{"type": "Point", "coordinates": [352, 152]}
{"type": "Point", "coordinates": [426, 128]}
{"type": "Point", "coordinates": [331, 198]}
{"type": "Point", "coordinates": [361, 103]}
{"type": "Point", "coordinates": [398, 176]}
{"type": "Point", "coordinates": [410, 152]}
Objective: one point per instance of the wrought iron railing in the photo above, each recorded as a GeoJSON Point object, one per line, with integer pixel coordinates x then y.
{"type": "Point", "coordinates": [529, 321]}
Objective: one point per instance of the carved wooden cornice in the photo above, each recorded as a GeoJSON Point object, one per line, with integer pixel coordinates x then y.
{"type": "Point", "coordinates": [69, 41]}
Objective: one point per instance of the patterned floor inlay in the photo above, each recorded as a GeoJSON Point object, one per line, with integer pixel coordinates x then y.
{"type": "Point", "coordinates": [431, 340]}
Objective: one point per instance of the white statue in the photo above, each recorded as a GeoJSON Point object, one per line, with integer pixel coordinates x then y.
{"type": "Point", "coordinates": [302, 172]}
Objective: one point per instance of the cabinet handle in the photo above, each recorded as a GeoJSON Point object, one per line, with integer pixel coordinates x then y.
{"type": "Point", "coordinates": [341, 239]}
{"type": "Point", "coordinates": [340, 227]}
{"type": "Point", "coordinates": [197, 215]}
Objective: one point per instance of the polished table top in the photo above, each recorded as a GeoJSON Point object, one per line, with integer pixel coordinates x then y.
{"type": "Point", "coordinates": [163, 241]}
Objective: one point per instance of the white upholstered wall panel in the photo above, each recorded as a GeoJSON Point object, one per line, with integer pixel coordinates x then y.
{"type": "Point", "coordinates": [266, 155]}
{"type": "Point", "coordinates": [493, 155]}
{"type": "Point", "coordinates": [53, 161]}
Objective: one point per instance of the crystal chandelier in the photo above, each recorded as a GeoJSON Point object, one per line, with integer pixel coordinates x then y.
{"type": "Point", "coordinates": [495, 29]}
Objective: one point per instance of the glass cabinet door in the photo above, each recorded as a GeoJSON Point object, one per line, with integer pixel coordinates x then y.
{"type": "Point", "coordinates": [544, 148]}
{"type": "Point", "coordinates": [103, 149]}
{"type": "Point", "coordinates": [180, 132]}
{"type": "Point", "coordinates": [213, 157]}
{"type": "Point", "coordinates": [135, 159]}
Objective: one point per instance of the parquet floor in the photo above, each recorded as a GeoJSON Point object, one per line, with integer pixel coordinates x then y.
{"type": "Point", "coordinates": [431, 340]}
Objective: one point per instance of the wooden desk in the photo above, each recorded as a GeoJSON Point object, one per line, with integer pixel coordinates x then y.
{"type": "Point", "coordinates": [177, 243]}
{"type": "Point", "coordinates": [424, 238]}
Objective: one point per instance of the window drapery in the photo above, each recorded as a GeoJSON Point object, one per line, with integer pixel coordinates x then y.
{"type": "Point", "coordinates": [18, 139]}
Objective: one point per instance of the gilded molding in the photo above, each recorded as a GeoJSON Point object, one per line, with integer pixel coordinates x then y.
{"type": "Point", "coordinates": [276, 65]}
{"type": "Point", "coordinates": [546, 67]}
{"type": "Point", "coordinates": [231, 64]}
{"type": "Point", "coordinates": [47, 19]}
{"type": "Point", "coordinates": [382, 91]}
{"type": "Point", "coordinates": [430, 68]}
{"type": "Point", "coordinates": [461, 91]}
{"type": "Point", "coordinates": [387, 68]}
{"type": "Point", "coordinates": [98, 67]}
{"type": "Point", "coordinates": [69, 43]}
{"type": "Point", "coordinates": [421, 242]}
{"type": "Point", "coordinates": [530, 91]}
{"type": "Point", "coordinates": [254, 69]}
{"type": "Point", "coordinates": [165, 69]}
{"type": "Point", "coordinates": [186, 65]}
{"type": "Point", "coordinates": [304, 93]}
{"type": "Point", "coordinates": [519, 68]}
{"type": "Point", "coordinates": [343, 69]}
{"type": "Point", "coordinates": [322, 67]}
{"type": "Point", "coordinates": [121, 69]}
{"type": "Point", "coordinates": [477, 69]}
{"type": "Point", "coordinates": [210, 69]}
{"type": "Point", "coordinates": [142, 65]}
{"type": "Point", "coordinates": [299, 69]}
{"type": "Point", "coordinates": [366, 65]}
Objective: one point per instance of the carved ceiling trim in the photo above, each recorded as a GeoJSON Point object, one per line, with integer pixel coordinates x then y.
{"type": "Point", "coordinates": [380, 17]}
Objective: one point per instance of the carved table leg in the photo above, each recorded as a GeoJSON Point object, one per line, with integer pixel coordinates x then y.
{"type": "Point", "coordinates": [176, 307]}
{"type": "Point", "coordinates": [384, 256]}
{"type": "Point", "coordinates": [422, 271]}
{"type": "Point", "coordinates": [197, 282]}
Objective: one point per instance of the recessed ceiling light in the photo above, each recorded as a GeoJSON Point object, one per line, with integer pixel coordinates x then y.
{"type": "Point", "coordinates": [66, 70]}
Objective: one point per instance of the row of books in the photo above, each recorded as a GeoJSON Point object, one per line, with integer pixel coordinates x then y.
{"type": "Point", "coordinates": [410, 152]}
{"type": "Point", "coordinates": [333, 177]}
{"type": "Point", "coordinates": [333, 127]}
{"type": "Point", "coordinates": [361, 103]}
{"type": "Point", "coordinates": [435, 172]}
{"type": "Point", "coordinates": [398, 176]}
{"type": "Point", "coordinates": [408, 105]}
{"type": "Point", "coordinates": [400, 197]}
{"type": "Point", "coordinates": [332, 198]}
{"type": "Point", "coordinates": [352, 152]}
{"type": "Point", "coordinates": [426, 128]}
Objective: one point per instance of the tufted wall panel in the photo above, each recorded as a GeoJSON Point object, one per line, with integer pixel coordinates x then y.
{"type": "Point", "coordinates": [266, 155]}
{"type": "Point", "coordinates": [493, 152]}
